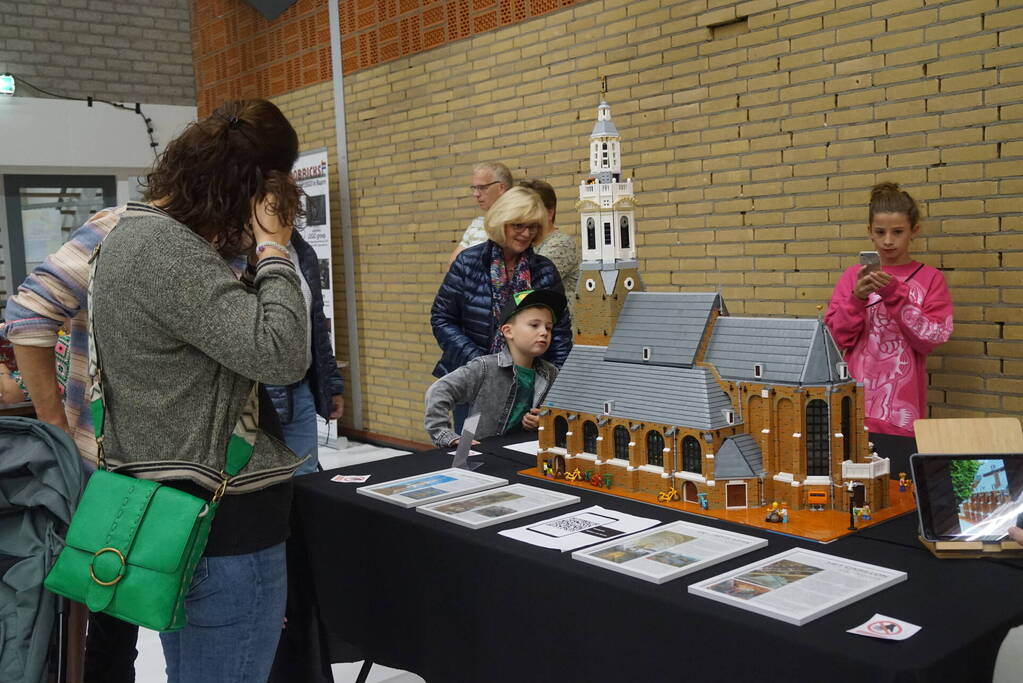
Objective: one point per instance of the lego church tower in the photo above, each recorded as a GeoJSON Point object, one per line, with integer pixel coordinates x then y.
{"type": "Point", "coordinates": [609, 270]}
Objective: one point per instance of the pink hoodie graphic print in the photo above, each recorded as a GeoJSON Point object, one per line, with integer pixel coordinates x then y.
{"type": "Point", "coordinates": [886, 340]}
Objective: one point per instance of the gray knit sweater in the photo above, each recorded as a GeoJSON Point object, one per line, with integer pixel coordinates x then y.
{"type": "Point", "coordinates": [181, 341]}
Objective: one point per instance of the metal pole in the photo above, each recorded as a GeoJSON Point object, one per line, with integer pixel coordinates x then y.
{"type": "Point", "coordinates": [341, 131]}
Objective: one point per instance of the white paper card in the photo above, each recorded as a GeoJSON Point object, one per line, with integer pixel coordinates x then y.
{"type": "Point", "coordinates": [496, 506]}
{"type": "Point", "coordinates": [885, 628]}
{"type": "Point", "coordinates": [798, 586]}
{"type": "Point", "coordinates": [431, 487]}
{"type": "Point", "coordinates": [350, 478]}
{"type": "Point", "coordinates": [527, 447]}
{"type": "Point", "coordinates": [578, 529]}
{"type": "Point", "coordinates": [669, 551]}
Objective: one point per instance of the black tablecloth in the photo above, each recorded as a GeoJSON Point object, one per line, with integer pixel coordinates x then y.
{"type": "Point", "coordinates": [453, 604]}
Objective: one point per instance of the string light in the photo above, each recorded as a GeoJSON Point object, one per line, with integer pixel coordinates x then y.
{"type": "Point", "coordinates": [89, 100]}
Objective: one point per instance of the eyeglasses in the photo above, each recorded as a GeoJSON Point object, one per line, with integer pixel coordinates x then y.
{"type": "Point", "coordinates": [480, 188]}
{"type": "Point", "coordinates": [525, 227]}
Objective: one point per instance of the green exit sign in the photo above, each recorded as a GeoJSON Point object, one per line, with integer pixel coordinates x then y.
{"type": "Point", "coordinates": [6, 84]}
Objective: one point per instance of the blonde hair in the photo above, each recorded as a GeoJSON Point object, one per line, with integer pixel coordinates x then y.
{"type": "Point", "coordinates": [517, 205]}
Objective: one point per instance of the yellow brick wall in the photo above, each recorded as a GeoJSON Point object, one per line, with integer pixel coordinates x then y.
{"type": "Point", "coordinates": [753, 145]}
{"type": "Point", "coordinates": [311, 112]}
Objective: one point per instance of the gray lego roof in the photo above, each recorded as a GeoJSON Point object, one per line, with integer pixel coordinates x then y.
{"type": "Point", "coordinates": [739, 458]}
{"type": "Point", "coordinates": [686, 397]}
{"type": "Point", "coordinates": [792, 350]}
{"type": "Point", "coordinates": [670, 324]}
{"type": "Point", "coordinates": [606, 127]}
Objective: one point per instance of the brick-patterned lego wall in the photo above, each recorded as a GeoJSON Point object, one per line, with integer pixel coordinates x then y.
{"type": "Point", "coordinates": [238, 53]}
{"type": "Point", "coordinates": [754, 131]}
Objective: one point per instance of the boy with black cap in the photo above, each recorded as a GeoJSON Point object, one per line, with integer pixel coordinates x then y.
{"type": "Point", "coordinates": [504, 387]}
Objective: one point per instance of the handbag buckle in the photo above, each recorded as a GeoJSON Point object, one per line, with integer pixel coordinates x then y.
{"type": "Point", "coordinates": [221, 490]}
{"type": "Point", "coordinates": [120, 574]}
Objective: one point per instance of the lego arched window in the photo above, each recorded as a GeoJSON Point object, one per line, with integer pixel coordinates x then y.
{"type": "Point", "coordinates": [560, 432]}
{"type": "Point", "coordinates": [591, 234]}
{"type": "Point", "coordinates": [590, 437]}
{"type": "Point", "coordinates": [621, 439]}
{"type": "Point", "coordinates": [691, 455]}
{"type": "Point", "coordinates": [624, 225]}
{"type": "Point", "coordinates": [654, 448]}
{"type": "Point", "coordinates": [846, 428]}
{"type": "Point", "coordinates": [817, 441]}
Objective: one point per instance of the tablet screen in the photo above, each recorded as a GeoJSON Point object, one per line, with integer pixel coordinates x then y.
{"type": "Point", "coordinates": [968, 498]}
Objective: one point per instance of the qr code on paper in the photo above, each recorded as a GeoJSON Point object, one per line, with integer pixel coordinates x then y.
{"type": "Point", "coordinates": [570, 525]}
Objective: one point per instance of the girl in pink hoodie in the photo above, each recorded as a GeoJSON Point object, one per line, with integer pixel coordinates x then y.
{"type": "Point", "coordinates": [887, 321]}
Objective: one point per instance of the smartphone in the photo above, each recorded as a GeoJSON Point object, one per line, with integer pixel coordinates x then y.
{"type": "Point", "coordinates": [968, 497]}
{"type": "Point", "coordinates": [870, 259]}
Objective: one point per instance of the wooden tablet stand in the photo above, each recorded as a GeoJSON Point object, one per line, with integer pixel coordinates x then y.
{"type": "Point", "coordinates": [970, 435]}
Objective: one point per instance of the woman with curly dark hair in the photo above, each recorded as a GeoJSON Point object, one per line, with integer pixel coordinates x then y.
{"type": "Point", "coordinates": [183, 345]}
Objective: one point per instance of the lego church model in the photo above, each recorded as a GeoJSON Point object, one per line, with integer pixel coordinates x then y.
{"type": "Point", "coordinates": [667, 391]}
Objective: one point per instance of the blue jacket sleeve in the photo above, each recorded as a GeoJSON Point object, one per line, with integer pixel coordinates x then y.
{"type": "Point", "coordinates": [561, 343]}
{"type": "Point", "coordinates": [446, 318]}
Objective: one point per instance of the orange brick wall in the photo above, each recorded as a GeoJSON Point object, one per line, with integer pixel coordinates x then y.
{"type": "Point", "coordinates": [240, 54]}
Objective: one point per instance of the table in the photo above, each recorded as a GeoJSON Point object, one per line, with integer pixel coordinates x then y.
{"type": "Point", "coordinates": [405, 590]}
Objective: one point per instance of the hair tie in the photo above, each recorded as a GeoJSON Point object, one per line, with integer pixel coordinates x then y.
{"type": "Point", "coordinates": [233, 122]}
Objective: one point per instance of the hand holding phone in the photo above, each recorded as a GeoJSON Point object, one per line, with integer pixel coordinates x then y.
{"type": "Point", "coordinates": [870, 259]}
{"type": "Point", "coordinates": [870, 277]}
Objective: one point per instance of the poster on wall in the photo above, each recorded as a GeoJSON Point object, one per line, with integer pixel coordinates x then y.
{"type": "Point", "coordinates": [310, 172]}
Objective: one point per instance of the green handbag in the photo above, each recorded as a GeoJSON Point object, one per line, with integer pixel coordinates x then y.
{"type": "Point", "coordinates": [133, 544]}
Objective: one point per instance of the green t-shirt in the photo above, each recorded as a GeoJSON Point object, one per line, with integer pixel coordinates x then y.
{"type": "Point", "coordinates": [525, 378]}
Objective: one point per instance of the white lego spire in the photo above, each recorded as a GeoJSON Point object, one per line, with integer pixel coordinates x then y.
{"type": "Point", "coordinates": [605, 146]}
{"type": "Point", "coordinates": [605, 201]}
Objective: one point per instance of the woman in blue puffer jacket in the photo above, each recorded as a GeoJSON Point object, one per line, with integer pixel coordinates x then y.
{"type": "Point", "coordinates": [483, 278]}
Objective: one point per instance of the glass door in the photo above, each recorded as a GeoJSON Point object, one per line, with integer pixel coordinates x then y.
{"type": "Point", "coordinates": [43, 211]}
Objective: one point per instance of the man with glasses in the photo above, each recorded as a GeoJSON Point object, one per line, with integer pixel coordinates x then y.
{"type": "Point", "coordinates": [490, 180]}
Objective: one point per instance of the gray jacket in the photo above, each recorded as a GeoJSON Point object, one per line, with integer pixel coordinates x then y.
{"type": "Point", "coordinates": [181, 341]}
{"type": "Point", "coordinates": [488, 384]}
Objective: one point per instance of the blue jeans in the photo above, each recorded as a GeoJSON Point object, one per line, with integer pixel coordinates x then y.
{"type": "Point", "coordinates": [235, 609]}
{"type": "Point", "coordinates": [300, 434]}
